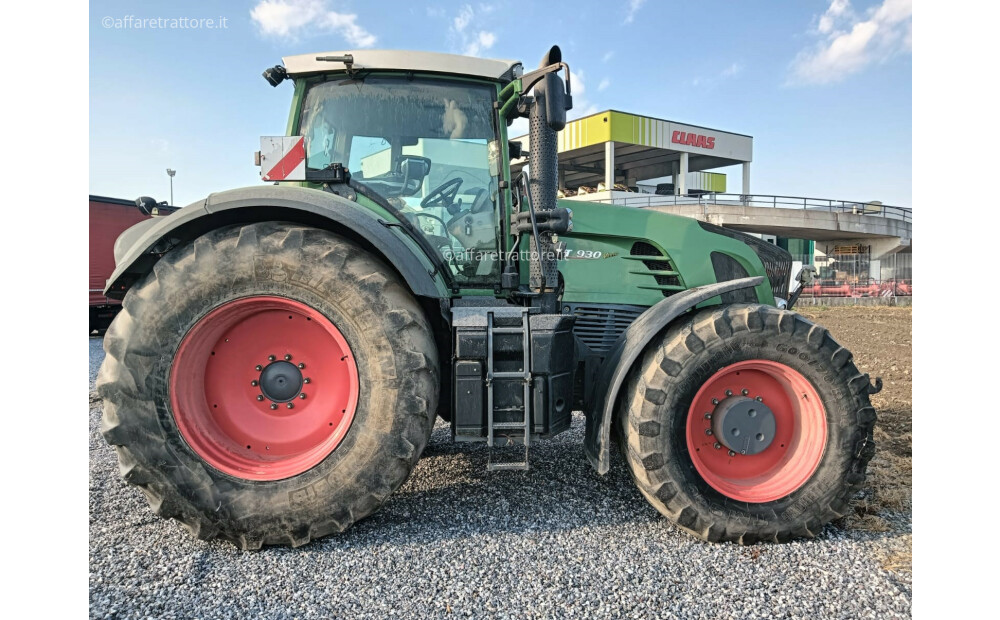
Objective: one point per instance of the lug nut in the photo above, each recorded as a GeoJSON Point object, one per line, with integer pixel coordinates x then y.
{"type": "Point", "coordinates": [288, 356]}
{"type": "Point", "coordinates": [260, 397]}
{"type": "Point", "coordinates": [306, 380]}
{"type": "Point", "coordinates": [302, 395]}
{"type": "Point", "coordinates": [708, 431]}
{"type": "Point", "coordinates": [274, 405]}
{"type": "Point", "coordinates": [290, 406]}
{"type": "Point", "coordinates": [759, 399]}
{"type": "Point", "coordinates": [717, 445]}
{"type": "Point", "coordinates": [271, 358]}
{"type": "Point", "coordinates": [258, 367]}
{"type": "Point", "coordinates": [729, 392]}
{"type": "Point", "coordinates": [715, 401]}
{"type": "Point", "coordinates": [745, 391]}
{"type": "Point", "coordinates": [254, 383]}
{"type": "Point", "coordinates": [731, 453]}
{"type": "Point", "coordinates": [301, 365]}
{"type": "Point", "coordinates": [708, 416]}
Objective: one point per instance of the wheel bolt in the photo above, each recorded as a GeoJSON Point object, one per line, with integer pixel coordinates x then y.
{"type": "Point", "coordinates": [301, 365]}
{"type": "Point", "coordinates": [260, 397]}
{"type": "Point", "coordinates": [745, 391]}
{"type": "Point", "coordinates": [290, 406]}
{"type": "Point", "coordinates": [254, 383]}
{"type": "Point", "coordinates": [715, 401]}
{"type": "Point", "coordinates": [274, 405]}
{"type": "Point", "coordinates": [258, 367]}
{"type": "Point", "coordinates": [288, 356]}
{"type": "Point", "coordinates": [306, 380]}
{"type": "Point", "coordinates": [302, 395]}
{"type": "Point", "coordinates": [759, 399]}
{"type": "Point", "coordinates": [708, 431]}
{"type": "Point", "coordinates": [729, 392]}
{"type": "Point", "coordinates": [717, 445]}
{"type": "Point", "coordinates": [731, 453]}
{"type": "Point", "coordinates": [271, 358]}
{"type": "Point", "coordinates": [708, 416]}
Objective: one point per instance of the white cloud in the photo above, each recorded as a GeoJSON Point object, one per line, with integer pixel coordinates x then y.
{"type": "Point", "coordinates": [582, 106]}
{"type": "Point", "coordinates": [604, 84]}
{"type": "Point", "coordinates": [608, 56]}
{"type": "Point", "coordinates": [731, 70]}
{"type": "Point", "coordinates": [633, 8]}
{"type": "Point", "coordinates": [465, 15]}
{"type": "Point", "coordinates": [290, 19]}
{"type": "Point", "coordinates": [473, 42]}
{"type": "Point", "coordinates": [849, 42]}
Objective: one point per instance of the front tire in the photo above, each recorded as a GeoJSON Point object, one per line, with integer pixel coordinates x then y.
{"type": "Point", "coordinates": [268, 384]}
{"type": "Point", "coordinates": [747, 360]}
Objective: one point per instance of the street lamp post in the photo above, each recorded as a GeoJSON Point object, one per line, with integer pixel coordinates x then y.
{"type": "Point", "coordinates": [171, 173]}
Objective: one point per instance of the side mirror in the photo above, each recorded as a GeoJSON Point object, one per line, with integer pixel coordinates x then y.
{"type": "Point", "coordinates": [555, 101]}
{"type": "Point", "coordinates": [413, 168]}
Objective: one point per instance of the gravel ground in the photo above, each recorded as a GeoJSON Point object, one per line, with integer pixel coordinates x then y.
{"type": "Point", "coordinates": [454, 541]}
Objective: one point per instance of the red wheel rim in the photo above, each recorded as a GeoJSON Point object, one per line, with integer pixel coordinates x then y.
{"type": "Point", "coordinates": [218, 386]}
{"type": "Point", "coordinates": [799, 440]}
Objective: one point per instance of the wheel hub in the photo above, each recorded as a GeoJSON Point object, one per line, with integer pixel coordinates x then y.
{"type": "Point", "coordinates": [280, 381]}
{"type": "Point", "coordinates": [744, 425]}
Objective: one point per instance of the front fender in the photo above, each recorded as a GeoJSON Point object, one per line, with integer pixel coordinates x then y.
{"type": "Point", "coordinates": [627, 349]}
{"type": "Point", "coordinates": [139, 247]}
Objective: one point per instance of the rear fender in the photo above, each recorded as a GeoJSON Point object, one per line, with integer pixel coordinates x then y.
{"type": "Point", "coordinates": [139, 247]}
{"type": "Point", "coordinates": [627, 350]}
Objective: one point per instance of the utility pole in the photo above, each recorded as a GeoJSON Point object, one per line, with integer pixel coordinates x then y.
{"type": "Point", "coordinates": [171, 173]}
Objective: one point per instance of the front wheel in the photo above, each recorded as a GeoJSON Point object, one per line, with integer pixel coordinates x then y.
{"type": "Point", "coordinates": [268, 384]}
{"type": "Point", "coordinates": [747, 423]}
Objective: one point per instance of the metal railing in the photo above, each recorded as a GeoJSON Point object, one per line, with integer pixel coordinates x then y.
{"type": "Point", "coordinates": [858, 275]}
{"type": "Point", "coordinates": [873, 209]}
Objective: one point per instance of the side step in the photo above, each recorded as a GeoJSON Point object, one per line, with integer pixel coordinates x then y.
{"type": "Point", "coordinates": [524, 376]}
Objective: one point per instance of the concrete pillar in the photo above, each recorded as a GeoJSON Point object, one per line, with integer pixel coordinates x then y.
{"type": "Point", "coordinates": [562, 179]}
{"type": "Point", "coordinates": [746, 178]}
{"type": "Point", "coordinates": [674, 167]}
{"type": "Point", "coordinates": [609, 165]}
{"type": "Point", "coordinates": [681, 183]}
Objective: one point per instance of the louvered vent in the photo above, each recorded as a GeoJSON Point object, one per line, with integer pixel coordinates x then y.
{"type": "Point", "coordinates": [641, 248]}
{"type": "Point", "coordinates": [599, 326]}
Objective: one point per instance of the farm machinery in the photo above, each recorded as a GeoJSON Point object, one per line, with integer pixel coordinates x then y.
{"type": "Point", "coordinates": [284, 350]}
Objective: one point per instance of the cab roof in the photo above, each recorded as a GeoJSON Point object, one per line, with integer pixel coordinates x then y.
{"type": "Point", "coordinates": [431, 62]}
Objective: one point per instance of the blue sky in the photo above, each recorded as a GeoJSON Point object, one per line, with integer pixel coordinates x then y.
{"type": "Point", "coordinates": [823, 86]}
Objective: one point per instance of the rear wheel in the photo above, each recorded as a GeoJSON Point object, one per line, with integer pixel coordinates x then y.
{"type": "Point", "coordinates": [747, 423]}
{"type": "Point", "coordinates": [268, 384]}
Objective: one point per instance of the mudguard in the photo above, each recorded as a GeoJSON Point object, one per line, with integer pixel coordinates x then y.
{"type": "Point", "coordinates": [139, 247]}
{"type": "Point", "coordinates": [627, 349]}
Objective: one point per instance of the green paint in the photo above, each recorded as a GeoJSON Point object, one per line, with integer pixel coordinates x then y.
{"type": "Point", "coordinates": [599, 268]}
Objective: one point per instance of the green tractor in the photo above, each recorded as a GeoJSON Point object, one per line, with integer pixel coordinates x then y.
{"type": "Point", "coordinates": [284, 350]}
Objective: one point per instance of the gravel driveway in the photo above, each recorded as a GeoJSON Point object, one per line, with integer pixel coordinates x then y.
{"type": "Point", "coordinates": [454, 541]}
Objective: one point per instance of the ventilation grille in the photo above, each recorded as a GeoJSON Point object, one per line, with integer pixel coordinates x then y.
{"type": "Point", "coordinates": [777, 262]}
{"type": "Point", "coordinates": [727, 268]}
{"type": "Point", "coordinates": [600, 326]}
{"type": "Point", "coordinates": [657, 262]}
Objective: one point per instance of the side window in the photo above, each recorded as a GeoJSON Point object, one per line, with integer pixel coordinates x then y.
{"type": "Point", "coordinates": [370, 157]}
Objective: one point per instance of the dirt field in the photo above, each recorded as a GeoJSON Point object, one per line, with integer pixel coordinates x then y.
{"type": "Point", "coordinates": [881, 340]}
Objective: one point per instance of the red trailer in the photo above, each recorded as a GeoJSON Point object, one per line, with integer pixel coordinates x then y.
{"type": "Point", "coordinates": [109, 217]}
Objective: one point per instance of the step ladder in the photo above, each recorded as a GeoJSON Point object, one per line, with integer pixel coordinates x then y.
{"type": "Point", "coordinates": [492, 376]}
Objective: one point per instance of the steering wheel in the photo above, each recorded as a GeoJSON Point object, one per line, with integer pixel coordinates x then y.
{"type": "Point", "coordinates": [443, 195]}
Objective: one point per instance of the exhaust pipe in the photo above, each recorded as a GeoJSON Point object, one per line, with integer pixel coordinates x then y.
{"type": "Point", "coordinates": [546, 117]}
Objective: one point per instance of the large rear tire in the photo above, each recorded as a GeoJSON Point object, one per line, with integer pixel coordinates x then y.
{"type": "Point", "coordinates": [799, 400]}
{"type": "Point", "coordinates": [268, 384]}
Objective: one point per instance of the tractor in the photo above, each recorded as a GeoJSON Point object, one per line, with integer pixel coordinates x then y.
{"type": "Point", "coordinates": [284, 350]}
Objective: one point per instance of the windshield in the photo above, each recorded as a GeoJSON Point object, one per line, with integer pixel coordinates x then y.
{"type": "Point", "coordinates": [427, 147]}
